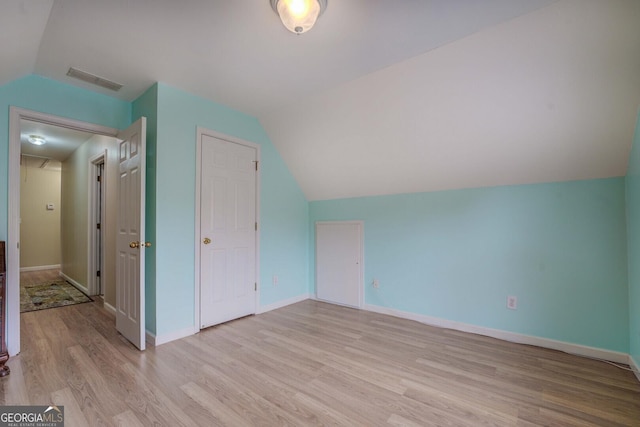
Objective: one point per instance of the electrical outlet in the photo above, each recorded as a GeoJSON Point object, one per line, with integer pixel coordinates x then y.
{"type": "Point", "coordinates": [512, 302]}
{"type": "Point", "coordinates": [274, 280]}
{"type": "Point", "coordinates": [375, 283]}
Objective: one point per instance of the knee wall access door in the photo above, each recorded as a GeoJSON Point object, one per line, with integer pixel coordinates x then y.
{"type": "Point", "coordinates": [339, 262]}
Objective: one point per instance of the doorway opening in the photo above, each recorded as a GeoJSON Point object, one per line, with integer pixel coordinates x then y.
{"type": "Point", "coordinates": [75, 216]}
{"type": "Point", "coordinates": [97, 224]}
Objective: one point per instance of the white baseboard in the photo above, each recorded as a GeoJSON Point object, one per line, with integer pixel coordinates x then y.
{"type": "Point", "coordinates": [635, 367]}
{"type": "Point", "coordinates": [40, 267]}
{"type": "Point", "coordinates": [577, 349]}
{"type": "Point", "coordinates": [78, 285]}
{"type": "Point", "coordinates": [109, 308]}
{"type": "Point", "coordinates": [150, 338]}
{"type": "Point", "coordinates": [280, 304]}
{"type": "Point", "coordinates": [156, 340]}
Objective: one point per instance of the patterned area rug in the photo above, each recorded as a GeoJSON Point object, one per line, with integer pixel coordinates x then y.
{"type": "Point", "coordinates": [51, 294]}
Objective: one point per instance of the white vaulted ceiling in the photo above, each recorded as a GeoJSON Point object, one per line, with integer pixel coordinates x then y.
{"type": "Point", "coordinates": [549, 96]}
{"type": "Point", "coordinates": [381, 96]}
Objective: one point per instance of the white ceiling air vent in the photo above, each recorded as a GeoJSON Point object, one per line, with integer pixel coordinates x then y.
{"type": "Point", "coordinates": [93, 79]}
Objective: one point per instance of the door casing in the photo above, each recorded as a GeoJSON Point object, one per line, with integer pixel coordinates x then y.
{"type": "Point", "coordinates": [96, 247]}
{"type": "Point", "coordinates": [16, 114]}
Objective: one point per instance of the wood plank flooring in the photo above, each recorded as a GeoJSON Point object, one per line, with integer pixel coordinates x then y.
{"type": "Point", "coordinates": [308, 364]}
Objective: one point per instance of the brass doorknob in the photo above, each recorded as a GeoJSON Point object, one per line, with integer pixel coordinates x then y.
{"type": "Point", "coordinates": [206, 240]}
{"type": "Point", "coordinates": [147, 244]}
{"type": "Point", "coordinates": [134, 245]}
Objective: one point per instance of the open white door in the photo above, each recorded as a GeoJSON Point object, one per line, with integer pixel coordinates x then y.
{"type": "Point", "coordinates": [130, 321]}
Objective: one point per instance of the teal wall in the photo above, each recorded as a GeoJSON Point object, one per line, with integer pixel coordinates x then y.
{"type": "Point", "coordinates": [561, 247]}
{"type": "Point", "coordinates": [283, 209]}
{"type": "Point", "coordinates": [172, 118]}
{"type": "Point", "coordinates": [456, 255]}
{"type": "Point", "coordinates": [51, 97]}
{"type": "Point", "coordinates": [633, 233]}
{"type": "Point", "coordinates": [147, 106]}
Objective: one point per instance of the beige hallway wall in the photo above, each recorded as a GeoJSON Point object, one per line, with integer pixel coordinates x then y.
{"type": "Point", "coordinates": [39, 227]}
{"type": "Point", "coordinates": [75, 221]}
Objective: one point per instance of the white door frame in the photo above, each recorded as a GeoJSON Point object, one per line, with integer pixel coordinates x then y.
{"type": "Point", "coordinates": [94, 161]}
{"type": "Point", "coordinates": [361, 289]}
{"type": "Point", "coordinates": [13, 232]}
{"type": "Point", "coordinates": [200, 132]}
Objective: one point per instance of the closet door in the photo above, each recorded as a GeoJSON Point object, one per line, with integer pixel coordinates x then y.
{"type": "Point", "coordinates": [339, 263]}
{"type": "Point", "coordinates": [228, 230]}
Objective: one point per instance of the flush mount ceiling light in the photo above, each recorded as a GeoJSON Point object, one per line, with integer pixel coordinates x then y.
{"type": "Point", "coordinates": [298, 16]}
{"type": "Point", "coordinates": [37, 140]}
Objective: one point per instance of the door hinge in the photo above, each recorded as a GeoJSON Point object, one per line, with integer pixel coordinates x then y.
{"type": "Point", "coordinates": [97, 273]}
{"type": "Point", "coordinates": [256, 162]}
{"type": "Point", "coordinates": [256, 226]}
{"type": "Point", "coordinates": [255, 286]}
{"type": "Point", "coordinates": [98, 226]}
{"type": "Point", "coordinates": [99, 178]}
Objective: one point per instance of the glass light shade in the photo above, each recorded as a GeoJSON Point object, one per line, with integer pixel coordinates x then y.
{"type": "Point", "coordinates": [298, 16]}
{"type": "Point", "coordinates": [37, 140]}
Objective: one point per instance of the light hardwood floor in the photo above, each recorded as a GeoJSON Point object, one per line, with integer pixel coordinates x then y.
{"type": "Point", "coordinates": [308, 364]}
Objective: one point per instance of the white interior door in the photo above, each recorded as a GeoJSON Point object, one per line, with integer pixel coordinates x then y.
{"type": "Point", "coordinates": [339, 262]}
{"type": "Point", "coordinates": [228, 228]}
{"type": "Point", "coordinates": [130, 243]}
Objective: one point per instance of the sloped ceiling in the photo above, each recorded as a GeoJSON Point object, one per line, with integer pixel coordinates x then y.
{"type": "Point", "coordinates": [22, 24]}
{"type": "Point", "coordinates": [549, 96]}
{"type": "Point", "coordinates": [381, 96]}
